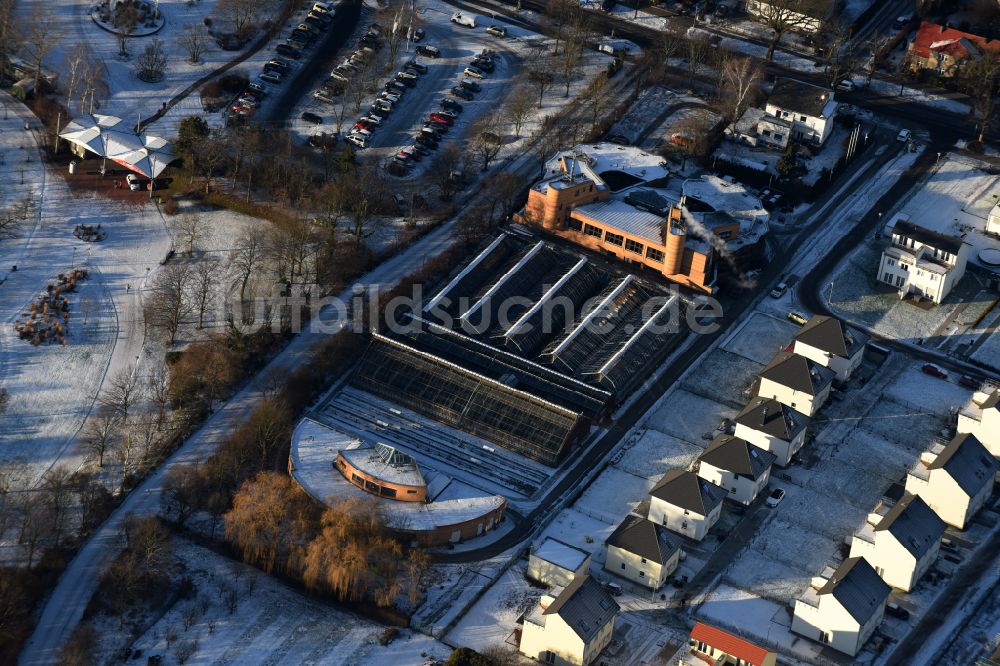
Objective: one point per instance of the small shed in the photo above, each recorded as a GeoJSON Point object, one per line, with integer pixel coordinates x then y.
{"type": "Point", "coordinates": [557, 563]}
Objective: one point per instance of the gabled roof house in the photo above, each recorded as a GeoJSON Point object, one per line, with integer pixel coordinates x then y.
{"type": "Point", "coordinates": [955, 480]}
{"type": "Point", "coordinates": [796, 381]}
{"type": "Point", "coordinates": [571, 625]}
{"type": "Point", "coordinates": [642, 551]}
{"type": "Point", "coordinates": [722, 647]}
{"type": "Point", "coordinates": [772, 426]}
{"type": "Point", "coordinates": [685, 503]}
{"type": "Point", "coordinates": [832, 344]}
{"type": "Point", "coordinates": [981, 417]}
{"type": "Point", "coordinates": [736, 466]}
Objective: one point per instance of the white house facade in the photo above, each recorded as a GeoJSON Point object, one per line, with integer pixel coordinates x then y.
{"type": "Point", "coordinates": [901, 543]}
{"type": "Point", "coordinates": [796, 382]}
{"type": "Point", "coordinates": [642, 552]}
{"type": "Point", "coordinates": [809, 20]}
{"type": "Point", "coordinates": [685, 503]}
{"type": "Point", "coordinates": [954, 480]}
{"type": "Point", "coordinates": [922, 262]}
{"type": "Point", "coordinates": [981, 417]}
{"type": "Point", "coordinates": [774, 427]}
{"type": "Point", "coordinates": [827, 341]}
{"type": "Point", "coordinates": [842, 610]}
{"type": "Point", "coordinates": [736, 466]}
{"type": "Point", "coordinates": [570, 626]}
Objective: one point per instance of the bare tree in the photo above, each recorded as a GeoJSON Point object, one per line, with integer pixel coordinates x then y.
{"type": "Point", "coordinates": [839, 51]}
{"type": "Point", "coordinates": [41, 36]}
{"type": "Point", "coordinates": [57, 492]}
{"type": "Point", "coordinates": [75, 60]}
{"type": "Point", "coordinates": [122, 391]}
{"type": "Point", "coordinates": [739, 85]}
{"type": "Point", "coordinates": [152, 62]}
{"type": "Point", "coordinates": [188, 229]}
{"type": "Point", "coordinates": [485, 139]}
{"type": "Point", "coordinates": [697, 52]}
{"type": "Point", "coordinates": [542, 79]}
{"type": "Point", "coordinates": [782, 16]}
{"type": "Point", "coordinates": [245, 259]}
{"type": "Point", "coordinates": [100, 432]}
{"type": "Point", "coordinates": [518, 107]}
{"type": "Point", "coordinates": [599, 98]}
{"type": "Point", "coordinates": [94, 85]}
{"type": "Point", "coordinates": [168, 305]}
{"type": "Point", "coordinates": [10, 37]}
{"type": "Point", "coordinates": [194, 41]}
{"type": "Point", "coordinates": [242, 14]}
{"type": "Point", "coordinates": [36, 527]}
{"type": "Point", "coordinates": [125, 20]}
{"type": "Point", "coordinates": [158, 390]}
{"type": "Point", "coordinates": [876, 46]}
{"type": "Point", "coordinates": [204, 279]}
{"type": "Point", "coordinates": [446, 162]}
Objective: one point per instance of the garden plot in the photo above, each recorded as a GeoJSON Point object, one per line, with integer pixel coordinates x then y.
{"type": "Point", "coordinates": [901, 424]}
{"type": "Point", "coordinates": [724, 376]}
{"type": "Point", "coordinates": [871, 453]}
{"type": "Point", "coordinates": [689, 417]}
{"type": "Point", "coordinates": [271, 624]}
{"type": "Point", "coordinates": [654, 453]}
{"type": "Point", "coordinates": [493, 619]}
{"type": "Point", "coordinates": [988, 353]}
{"type": "Point", "coordinates": [857, 295]}
{"type": "Point", "coordinates": [820, 513]}
{"type": "Point", "coordinates": [767, 577]}
{"type": "Point", "coordinates": [613, 495]}
{"type": "Point", "coordinates": [578, 529]}
{"type": "Point", "coordinates": [760, 337]}
{"type": "Point", "coordinates": [847, 485]}
{"type": "Point", "coordinates": [918, 390]}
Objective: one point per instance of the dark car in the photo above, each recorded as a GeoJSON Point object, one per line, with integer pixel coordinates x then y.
{"type": "Point", "coordinates": [276, 65]}
{"type": "Point", "coordinates": [934, 371]}
{"type": "Point", "coordinates": [970, 382]}
{"type": "Point", "coordinates": [462, 93]}
{"type": "Point", "coordinates": [426, 140]}
{"type": "Point", "coordinates": [419, 34]}
{"type": "Point", "coordinates": [451, 105]}
{"type": "Point", "coordinates": [895, 610]}
{"type": "Point", "coordinates": [440, 127]}
{"type": "Point", "coordinates": [312, 118]}
{"type": "Point", "coordinates": [288, 51]}
{"type": "Point", "coordinates": [417, 67]}
{"type": "Point", "coordinates": [423, 150]}
{"type": "Point", "coordinates": [471, 86]}
{"type": "Point", "coordinates": [406, 81]}
{"type": "Point", "coordinates": [429, 51]}
{"type": "Point", "coordinates": [378, 111]}
{"type": "Point", "coordinates": [484, 64]}
{"type": "Point", "coordinates": [302, 37]}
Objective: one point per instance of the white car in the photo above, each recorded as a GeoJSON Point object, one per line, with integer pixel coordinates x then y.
{"type": "Point", "coordinates": [904, 135]}
{"type": "Point", "coordinates": [846, 85]}
{"type": "Point", "coordinates": [774, 499]}
{"type": "Point", "coordinates": [358, 140]}
{"type": "Point", "coordinates": [373, 119]}
{"type": "Point", "coordinates": [134, 182]}
{"type": "Point", "coordinates": [474, 72]}
{"type": "Point", "coordinates": [779, 290]}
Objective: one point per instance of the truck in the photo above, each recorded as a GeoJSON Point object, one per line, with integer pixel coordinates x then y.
{"type": "Point", "coordinates": [463, 19]}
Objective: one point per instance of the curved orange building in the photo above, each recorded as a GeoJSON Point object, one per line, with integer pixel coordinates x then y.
{"type": "Point", "coordinates": [382, 470]}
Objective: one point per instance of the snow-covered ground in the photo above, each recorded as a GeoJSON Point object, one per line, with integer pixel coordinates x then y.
{"type": "Point", "coordinates": [271, 624]}
{"type": "Point", "coordinates": [492, 621]}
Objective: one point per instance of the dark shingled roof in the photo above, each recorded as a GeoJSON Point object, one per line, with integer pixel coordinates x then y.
{"type": "Point", "coordinates": [738, 456]}
{"type": "Point", "coordinates": [688, 491]}
{"type": "Point", "coordinates": [644, 538]}
{"type": "Point", "coordinates": [914, 525]}
{"type": "Point", "coordinates": [797, 372]}
{"type": "Point", "coordinates": [858, 589]}
{"type": "Point", "coordinates": [773, 418]}
{"type": "Point", "coordinates": [949, 244]}
{"type": "Point", "coordinates": [585, 606]}
{"type": "Point", "coordinates": [968, 462]}
{"type": "Point", "coordinates": [830, 335]}
{"type": "Point", "coordinates": [804, 98]}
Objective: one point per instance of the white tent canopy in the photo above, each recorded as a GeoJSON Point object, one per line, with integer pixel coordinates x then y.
{"type": "Point", "coordinates": [111, 138]}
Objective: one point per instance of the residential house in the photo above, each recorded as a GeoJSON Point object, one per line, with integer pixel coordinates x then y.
{"type": "Point", "coordinates": [557, 563]}
{"type": "Point", "coordinates": [993, 220]}
{"type": "Point", "coordinates": [900, 542]}
{"type": "Point", "coordinates": [796, 381]}
{"type": "Point", "coordinates": [842, 609]}
{"type": "Point", "coordinates": [642, 551]}
{"type": "Point", "coordinates": [827, 341]}
{"type": "Point", "coordinates": [945, 51]}
{"type": "Point", "coordinates": [736, 466]}
{"type": "Point", "coordinates": [774, 427]}
{"type": "Point", "coordinates": [722, 648]}
{"type": "Point", "coordinates": [955, 480]}
{"type": "Point", "coordinates": [570, 625]}
{"type": "Point", "coordinates": [805, 16]}
{"type": "Point", "coordinates": [795, 111]}
{"type": "Point", "coordinates": [685, 503]}
{"type": "Point", "coordinates": [922, 262]}
{"type": "Point", "coordinates": [981, 417]}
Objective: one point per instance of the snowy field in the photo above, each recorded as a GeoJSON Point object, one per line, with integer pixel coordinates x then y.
{"type": "Point", "coordinates": [723, 377]}
{"type": "Point", "coordinates": [491, 622]}
{"type": "Point", "coordinates": [988, 353]}
{"type": "Point", "coordinates": [760, 337]}
{"type": "Point", "coordinates": [277, 625]}
{"type": "Point", "coordinates": [613, 491]}
{"type": "Point", "coordinates": [956, 200]}
{"type": "Point", "coordinates": [654, 453]}
{"type": "Point", "coordinates": [689, 417]}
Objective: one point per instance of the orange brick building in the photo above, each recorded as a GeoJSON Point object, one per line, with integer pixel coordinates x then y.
{"type": "Point", "coordinates": [577, 205]}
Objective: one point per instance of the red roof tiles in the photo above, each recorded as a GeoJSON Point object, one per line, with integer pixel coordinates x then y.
{"type": "Point", "coordinates": [949, 41]}
{"type": "Point", "coordinates": [731, 645]}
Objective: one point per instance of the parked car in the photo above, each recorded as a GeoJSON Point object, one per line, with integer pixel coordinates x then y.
{"type": "Point", "coordinates": [935, 371]}
{"type": "Point", "coordinates": [904, 135]}
{"type": "Point", "coordinates": [258, 88]}
{"type": "Point", "coordinates": [901, 22]}
{"type": "Point", "coordinates": [374, 120]}
{"type": "Point", "coordinates": [440, 127]}
{"type": "Point", "coordinates": [365, 125]}
{"type": "Point", "coordinates": [411, 153]}
{"type": "Point", "coordinates": [497, 31]}
{"type": "Point", "coordinates": [423, 150]}
{"type": "Point", "coordinates": [288, 51]}
{"type": "Point", "coordinates": [614, 589]}
{"type": "Point", "coordinates": [970, 382]}
{"type": "Point", "coordinates": [451, 105]}
{"type": "Point", "coordinates": [429, 51]}
{"type": "Point", "coordinates": [276, 65]}
{"type": "Point", "coordinates": [358, 140]}
{"type": "Point", "coordinates": [445, 112]}
{"type": "Point", "coordinates": [463, 19]}
{"type": "Point", "coordinates": [774, 499]}
{"type": "Point", "coordinates": [895, 610]}
{"type": "Point", "coordinates": [460, 92]}
{"type": "Point", "coordinates": [391, 98]}
{"type": "Point", "coordinates": [440, 118]}
{"type": "Point", "coordinates": [376, 110]}
{"type": "Point", "coordinates": [484, 63]}
{"type": "Point", "coordinates": [418, 67]}
{"type": "Point", "coordinates": [315, 23]}
{"type": "Point", "coordinates": [846, 85]}
{"type": "Point", "coordinates": [471, 86]}
{"type": "Point", "coordinates": [310, 117]}
{"type": "Point", "coordinates": [407, 75]}
{"type": "Point", "coordinates": [419, 34]}
{"type": "Point", "coordinates": [408, 82]}
{"type": "Point", "coordinates": [134, 182]}
{"type": "Point", "coordinates": [395, 87]}
{"type": "Point", "coordinates": [271, 77]}
{"type": "Point", "coordinates": [797, 318]}
{"type": "Point", "coordinates": [474, 72]}
{"type": "Point", "coordinates": [779, 290]}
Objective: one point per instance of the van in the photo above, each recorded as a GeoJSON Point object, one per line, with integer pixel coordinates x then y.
{"type": "Point", "coordinates": [463, 19]}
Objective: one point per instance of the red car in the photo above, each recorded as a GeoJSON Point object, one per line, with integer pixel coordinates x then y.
{"type": "Point", "coordinates": [365, 125]}
{"type": "Point", "coordinates": [935, 371]}
{"type": "Point", "coordinates": [411, 154]}
{"type": "Point", "coordinates": [439, 118]}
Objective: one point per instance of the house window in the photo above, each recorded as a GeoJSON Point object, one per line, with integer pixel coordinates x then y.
{"type": "Point", "coordinates": [899, 280]}
{"type": "Point", "coordinates": [614, 239]}
{"type": "Point", "coordinates": [880, 571]}
{"type": "Point", "coordinates": [549, 657]}
{"type": "Point", "coordinates": [890, 262]}
{"type": "Point", "coordinates": [591, 230]}
{"type": "Point", "coordinates": [632, 246]}
{"type": "Point", "coordinates": [887, 277]}
{"type": "Point", "coordinates": [643, 559]}
{"type": "Point", "coordinates": [686, 512]}
{"type": "Point", "coordinates": [824, 637]}
{"type": "Point", "coordinates": [905, 267]}
{"type": "Point", "coordinates": [766, 132]}
{"type": "Point", "coordinates": [574, 224]}
{"type": "Point", "coordinates": [725, 235]}
{"type": "Point", "coordinates": [779, 137]}
{"type": "Point", "coordinates": [642, 574]}
{"type": "Point", "coordinates": [802, 118]}
{"type": "Point", "coordinates": [623, 566]}
{"type": "Point", "coordinates": [654, 254]}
